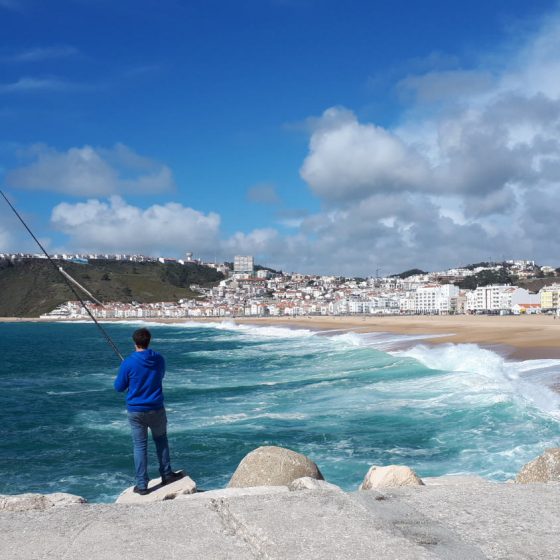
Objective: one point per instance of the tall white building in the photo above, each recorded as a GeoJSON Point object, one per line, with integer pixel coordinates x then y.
{"type": "Point", "coordinates": [243, 265]}
{"type": "Point", "coordinates": [436, 299]}
{"type": "Point", "coordinates": [495, 297]}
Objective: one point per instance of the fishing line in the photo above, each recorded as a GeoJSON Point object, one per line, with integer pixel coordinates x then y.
{"type": "Point", "coordinates": [103, 331]}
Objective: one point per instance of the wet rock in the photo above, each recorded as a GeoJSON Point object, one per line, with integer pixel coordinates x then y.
{"type": "Point", "coordinates": [159, 493]}
{"type": "Point", "coordinates": [273, 466]}
{"type": "Point", "coordinates": [392, 475]}
{"type": "Point", "coordinates": [38, 502]}
{"type": "Point", "coordinates": [545, 468]}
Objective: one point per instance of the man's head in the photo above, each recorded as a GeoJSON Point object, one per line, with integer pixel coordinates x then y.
{"type": "Point", "coordinates": [142, 338]}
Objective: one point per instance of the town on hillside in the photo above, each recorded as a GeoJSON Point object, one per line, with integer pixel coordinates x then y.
{"type": "Point", "coordinates": [249, 290]}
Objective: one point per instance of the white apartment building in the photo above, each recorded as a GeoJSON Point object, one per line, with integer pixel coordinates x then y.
{"type": "Point", "coordinates": [436, 299]}
{"type": "Point", "coordinates": [243, 266]}
{"type": "Point", "coordinates": [264, 274]}
{"type": "Point", "coordinates": [494, 297]}
{"type": "Point", "coordinates": [407, 303]}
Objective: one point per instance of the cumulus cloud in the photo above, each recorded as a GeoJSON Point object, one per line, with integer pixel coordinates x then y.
{"type": "Point", "coordinates": [117, 226]}
{"type": "Point", "coordinates": [471, 171]}
{"type": "Point", "coordinates": [351, 160]}
{"type": "Point", "coordinates": [509, 141]}
{"type": "Point", "coordinates": [91, 171]}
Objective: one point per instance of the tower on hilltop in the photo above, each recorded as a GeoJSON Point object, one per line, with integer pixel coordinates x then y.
{"type": "Point", "coordinates": [243, 266]}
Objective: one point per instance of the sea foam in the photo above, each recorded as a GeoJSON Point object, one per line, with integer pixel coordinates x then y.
{"type": "Point", "coordinates": [490, 370]}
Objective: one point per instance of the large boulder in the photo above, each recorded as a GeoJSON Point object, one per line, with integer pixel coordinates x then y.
{"type": "Point", "coordinates": [545, 468]}
{"type": "Point", "coordinates": [392, 475]}
{"type": "Point", "coordinates": [273, 466]}
{"type": "Point", "coordinates": [38, 502]}
{"type": "Point", "coordinates": [158, 493]}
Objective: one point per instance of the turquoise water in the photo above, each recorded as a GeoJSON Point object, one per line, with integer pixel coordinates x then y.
{"type": "Point", "coordinates": [342, 400]}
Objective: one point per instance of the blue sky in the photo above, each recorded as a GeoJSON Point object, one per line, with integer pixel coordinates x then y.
{"type": "Point", "coordinates": [319, 135]}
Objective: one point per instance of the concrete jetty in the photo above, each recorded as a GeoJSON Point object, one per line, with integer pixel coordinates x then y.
{"type": "Point", "coordinates": [451, 518]}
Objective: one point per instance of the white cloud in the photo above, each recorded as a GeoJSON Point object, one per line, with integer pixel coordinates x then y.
{"type": "Point", "coordinates": [511, 140]}
{"type": "Point", "coordinates": [349, 160]}
{"type": "Point", "coordinates": [91, 171]}
{"type": "Point", "coordinates": [471, 171]}
{"type": "Point", "coordinates": [116, 226]}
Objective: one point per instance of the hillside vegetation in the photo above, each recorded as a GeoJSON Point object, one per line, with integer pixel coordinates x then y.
{"type": "Point", "coordinates": [31, 287]}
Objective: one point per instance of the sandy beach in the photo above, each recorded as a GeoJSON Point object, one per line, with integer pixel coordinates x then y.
{"type": "Point", "coordinates": [521, 337]}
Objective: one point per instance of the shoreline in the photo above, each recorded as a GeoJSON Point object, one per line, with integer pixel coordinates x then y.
{"type": "Point", "coordinates": [529, 337]}
{"type": "Point", "coordinates": [517, 338]}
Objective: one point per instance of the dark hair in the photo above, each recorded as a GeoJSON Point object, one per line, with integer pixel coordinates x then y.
{"type": "Point", "coordinates": [142, 338]}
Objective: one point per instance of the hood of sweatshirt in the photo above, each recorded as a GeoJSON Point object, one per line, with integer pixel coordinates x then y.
{"type": "Point", "coordinates": [146, 358]}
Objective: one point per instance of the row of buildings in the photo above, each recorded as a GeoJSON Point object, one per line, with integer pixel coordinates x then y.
{"type": "Point", "coordinates": [265, 293]}
{"type": "Point", "coordinates": [255, 291]}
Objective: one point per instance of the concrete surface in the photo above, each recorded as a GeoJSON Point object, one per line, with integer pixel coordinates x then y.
{"type": "Point", "coordinates": [456, 520]}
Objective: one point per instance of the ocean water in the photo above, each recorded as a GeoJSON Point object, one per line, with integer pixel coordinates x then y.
{"type": "Point", "coordinates": [347, 401]}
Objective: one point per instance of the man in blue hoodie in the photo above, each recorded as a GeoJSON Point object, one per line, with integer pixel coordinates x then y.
{"type": "Point", "coordinates": [142, 374]}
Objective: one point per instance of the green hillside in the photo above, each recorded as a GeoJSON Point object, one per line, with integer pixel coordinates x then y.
{"type": "Point", "coordinates": [31, 287]}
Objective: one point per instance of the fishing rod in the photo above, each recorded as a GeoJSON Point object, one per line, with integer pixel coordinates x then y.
{"type": "Point", "coordinates": [66, 277]}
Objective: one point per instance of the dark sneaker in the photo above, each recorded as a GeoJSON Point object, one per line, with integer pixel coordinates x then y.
{"type": "Point", "coordinates": [141, 491]}
{"type": "Point", "coordinates": [172, 477]}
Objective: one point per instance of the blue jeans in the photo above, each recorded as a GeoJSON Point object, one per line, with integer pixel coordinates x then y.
{"type": "Point", "coordinates": [156, 420]}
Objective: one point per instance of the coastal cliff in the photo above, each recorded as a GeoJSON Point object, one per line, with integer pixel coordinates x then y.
{"type": "Point", "coordinates": [31, 287]}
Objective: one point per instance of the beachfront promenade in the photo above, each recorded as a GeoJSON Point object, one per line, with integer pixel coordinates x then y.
{"type": "Point", "coordinates": [452, 518]}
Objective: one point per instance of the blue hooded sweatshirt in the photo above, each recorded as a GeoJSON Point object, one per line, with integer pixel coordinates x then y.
{"type": "Point", "coordinates": [142, 373]}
